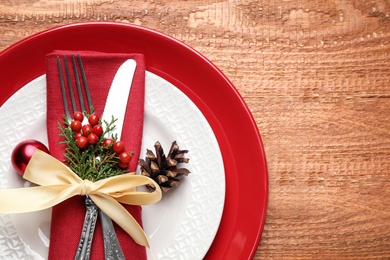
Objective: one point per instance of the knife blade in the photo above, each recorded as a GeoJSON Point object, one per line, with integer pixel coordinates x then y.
{"type": "Point", "coordinates": [118, 95]}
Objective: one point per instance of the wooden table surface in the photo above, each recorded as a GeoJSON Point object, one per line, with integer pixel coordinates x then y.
{"type": "Point", "coordinates": [316, 76]}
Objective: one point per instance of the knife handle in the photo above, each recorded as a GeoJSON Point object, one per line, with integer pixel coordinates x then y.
{"type": "Point", "coordinates": [84, 248]}
{"type": "Point", "coordinates": [112, 248]}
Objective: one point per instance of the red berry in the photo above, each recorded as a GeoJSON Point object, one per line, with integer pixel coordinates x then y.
{"type": "Point", "coordinates": [93, 119]}
{"type": "Point", "coordinates": [78, 116]}
{"type": "Point", "coordinates": [125, 157]}
{"type": "Point", "coordinates": [108, 142]}
{"type": "Point", "coordinates": [82, 142]}
{"type": "Point", "coordinates": [118, 146]}
{"type": "Point", "coordinates": [92, 138]}
{"type": "Point", "coordinates": [87, 129]}
{"type": "Point", "coordinates": [97, 130]}
{"type": "Point", "coordinates": [123, 165]}
{"type": "Point", "coordinates": [76, 125]}
{"type": "Point", "coordinates": [77, 135]}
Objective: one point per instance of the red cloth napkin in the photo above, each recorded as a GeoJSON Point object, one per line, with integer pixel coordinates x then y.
{"type": "Point", "coordinates": [68, 217]}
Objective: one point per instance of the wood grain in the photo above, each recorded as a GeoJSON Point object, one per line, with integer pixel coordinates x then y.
{"type": "Point", "coordinates": [316, 76]}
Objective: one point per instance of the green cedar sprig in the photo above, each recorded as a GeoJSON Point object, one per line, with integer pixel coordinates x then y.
{"type": "Point", "coordinates": [96, 161]}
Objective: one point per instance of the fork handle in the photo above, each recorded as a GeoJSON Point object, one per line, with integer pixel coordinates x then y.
{"type": "Point", "coordinates": [112, 248]}
{"type": "Point", "coordinates": [85, 243]}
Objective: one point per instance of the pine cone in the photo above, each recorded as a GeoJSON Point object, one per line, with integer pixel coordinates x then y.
{"type": "Point", "coordinates": [162, 169]}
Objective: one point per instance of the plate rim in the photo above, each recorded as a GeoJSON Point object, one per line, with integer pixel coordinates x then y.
{"type": "Point", "coordinates": [226, 137]}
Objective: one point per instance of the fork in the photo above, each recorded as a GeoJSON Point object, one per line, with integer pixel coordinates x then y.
{"type": "Point", "coordinates": [112, 249]}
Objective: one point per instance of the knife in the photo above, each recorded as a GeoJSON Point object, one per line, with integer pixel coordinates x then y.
{"type": "Point", "coordinates": [118, 95]}
{"type": "Point", "coordinates": [116, 105]}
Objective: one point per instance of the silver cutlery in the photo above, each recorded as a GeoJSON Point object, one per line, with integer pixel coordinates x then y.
{"type": "Point", "coordinates": [112, 249]}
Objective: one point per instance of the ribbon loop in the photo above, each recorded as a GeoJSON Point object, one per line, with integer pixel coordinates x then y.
{"type": "Point", "coordinates": [63, 183]}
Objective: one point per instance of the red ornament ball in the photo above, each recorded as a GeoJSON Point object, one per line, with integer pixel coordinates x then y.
{"type": "Point", "coordinates": [23, 152]}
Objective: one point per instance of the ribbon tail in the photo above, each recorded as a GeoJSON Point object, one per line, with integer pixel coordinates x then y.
{"type": "Point", "coordinates": [140, 198]}
{"type": "Point", "coordinates": [34, 198]}
{"type": "Point", "coordinates": [122, 217]}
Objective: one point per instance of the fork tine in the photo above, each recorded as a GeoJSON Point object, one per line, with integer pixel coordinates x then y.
{"type": "Point", "coordinates": [89, 98]}
{"type": "Point", "coordinates": [70, 87]}
{"type": "Point", "coordinates": [64, 98]}
{"type": "Point", "coordinates": [81, 99]}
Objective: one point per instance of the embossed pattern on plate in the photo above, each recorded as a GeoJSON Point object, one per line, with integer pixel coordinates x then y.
{"type": "Point", "coordinates": [188, 217]}
{"type": "Point", "coordinates": [17, 116]}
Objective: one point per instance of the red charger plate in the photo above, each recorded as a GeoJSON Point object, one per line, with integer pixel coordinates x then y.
{"type": "Point", "coordinates": [246, 198]}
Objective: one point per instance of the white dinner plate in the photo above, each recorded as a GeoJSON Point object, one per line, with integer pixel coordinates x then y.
{"type": "Point", "coordinates": [188, 216]}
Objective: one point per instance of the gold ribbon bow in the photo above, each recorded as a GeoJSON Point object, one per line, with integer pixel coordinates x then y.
{"type": "Point", "coordinates": [58, 183]}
